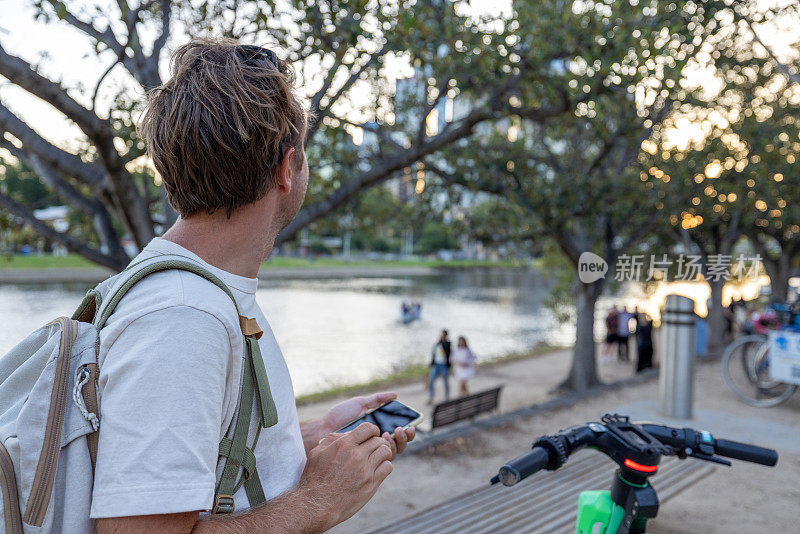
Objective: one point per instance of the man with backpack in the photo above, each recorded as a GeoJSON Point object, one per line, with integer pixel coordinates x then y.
{"type": "Point", "coordinates": [226, 135]}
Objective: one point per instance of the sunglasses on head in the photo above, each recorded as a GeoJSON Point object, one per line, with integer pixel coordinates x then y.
{"type": "Point", "coordinates": [250, 52]}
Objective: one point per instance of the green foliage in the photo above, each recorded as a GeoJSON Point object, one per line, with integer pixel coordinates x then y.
{"type": "Point", "coordinates": [317, 246]}
{"type": "Point", "coordinates": [436, 235]}
{"type": "Point", "coordinates": [557, 268]}
{"type": "Point", "coordinates": [23, 185]}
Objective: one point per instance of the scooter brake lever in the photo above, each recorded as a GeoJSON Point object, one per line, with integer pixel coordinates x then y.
{"type": "Point", "coordinates": [707, 458]}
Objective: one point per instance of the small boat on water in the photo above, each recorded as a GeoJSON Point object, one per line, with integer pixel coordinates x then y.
{"type": "Point", "coordinates": [410, 312]}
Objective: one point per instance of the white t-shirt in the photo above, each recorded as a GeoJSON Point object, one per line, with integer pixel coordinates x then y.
{"type": "Point", "coordinates": [170, 371]}
{"type": "Point", "coordinates": [439, 355]}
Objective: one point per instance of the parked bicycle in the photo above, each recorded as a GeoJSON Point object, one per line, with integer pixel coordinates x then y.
{"type": "Point", "coordinates": [746, 361]}
{"type": "Point", "coordinates": [637, 448]}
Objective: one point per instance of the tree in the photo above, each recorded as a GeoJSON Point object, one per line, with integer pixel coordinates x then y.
{"type": "Point", "coordinates": [728, 181]}
{"type": "Point", "coordinates": [340, 51]}
{"type": "Point", "coordinates": [576, 175]}
{"type": "Point", "coordinates": [770, 127]}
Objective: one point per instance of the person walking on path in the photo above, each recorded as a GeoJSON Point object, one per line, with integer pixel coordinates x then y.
{"type": "Point", "coordinates": [612, 324]}
{"type": "Point", "coordinates": [464, 361]}
{"type": "Point", "coordinates": [644, 343]}
{"type": "Point", "coordinates": [440, 367]}
{"type": "Point", "coordinates": [226, 134]}
{"type": "Point", "coordinates": [623, 333]}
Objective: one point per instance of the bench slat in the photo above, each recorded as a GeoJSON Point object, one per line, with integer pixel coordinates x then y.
{"type": "Point", "coordinates": [465, 407]}
{"type": "Point", "coordinates": [486, 500]}
{"type": "Point", "coordinates": [545, 502]}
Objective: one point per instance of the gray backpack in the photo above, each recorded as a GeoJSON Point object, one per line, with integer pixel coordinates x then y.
{"type": "Point", "coordinates": [49, 413]}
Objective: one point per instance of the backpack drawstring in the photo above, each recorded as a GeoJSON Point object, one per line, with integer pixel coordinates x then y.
{"type": "Point", "coordinates": [77, 397]}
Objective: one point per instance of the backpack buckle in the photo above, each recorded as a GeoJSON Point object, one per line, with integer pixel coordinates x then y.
{"type": "Point", "coordinates": [223, 504]}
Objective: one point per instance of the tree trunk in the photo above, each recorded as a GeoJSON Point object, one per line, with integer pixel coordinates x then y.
{"type": "Point", "coordinates": [716, 319]}
{"type": "Point", "coordinates": [108, 238]}
{"type": "Point", "coordinates": [779, 272]}
{"type": "Point", "coordinates": [583, 373]}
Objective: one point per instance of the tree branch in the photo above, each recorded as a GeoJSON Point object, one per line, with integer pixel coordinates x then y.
{"type": "Point", "coordinates": [62, 160]}
{"type": "Point", "coordinates": [92, 207]}
{"type": "Point", "coordinates": [161, 40]}
{"type": "Point", "coordinates": [377, 130]}
{"type": "Point", "coordinates": [24, 76]}
{"type": "Point", "coordinates": [382, 171]}
{"type": "Point", "coordinates": [490, 186]}
{"type": "Point", "coordinates": [328, 81]}
{"type": "Point", "coordinates": [106, 37]}
{"type": "Point", "coordinates": [72, 243]}
{"type": "Point", "coordinates": [423, 122]}
{"type": "Point", "coordinates": [48, 175]}
{"type": "Point", "coordinates": [99, 131]}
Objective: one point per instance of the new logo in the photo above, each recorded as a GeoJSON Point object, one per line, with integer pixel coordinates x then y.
{"type": "Point", "coordinates": [591, 267]}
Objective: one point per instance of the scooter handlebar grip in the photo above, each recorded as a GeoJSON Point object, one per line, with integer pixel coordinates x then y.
{"type": "Point", "coordinates": [523, 466]}
{"type": "Point", "coordinates": [746, 452]}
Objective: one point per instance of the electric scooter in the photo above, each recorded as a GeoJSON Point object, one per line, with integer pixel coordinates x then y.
{"type": "Point", "coordinates": [637, 449]}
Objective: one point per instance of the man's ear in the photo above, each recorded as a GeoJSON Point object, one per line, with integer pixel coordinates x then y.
{"type": "Point", "coordinates": [286, 170]}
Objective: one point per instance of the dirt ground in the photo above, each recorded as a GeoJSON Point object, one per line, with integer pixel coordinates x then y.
{"type": "Point", "coordinates": [744, 498]}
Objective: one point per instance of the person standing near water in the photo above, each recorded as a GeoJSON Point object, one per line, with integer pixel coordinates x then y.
{"type": "Point", "coordinates": [623, 333]}
{"type": "Point", "coordinates": [644, 343]}
{"type": "Point", "coordinates": [464, 360]}
{"type": "Point", "coordinates": [612, 324]}
{"type": "Point", "coordinates": [440, 366]}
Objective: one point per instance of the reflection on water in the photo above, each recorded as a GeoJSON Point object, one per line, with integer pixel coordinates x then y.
{"type": "Point", "coordinates": [346, 331]}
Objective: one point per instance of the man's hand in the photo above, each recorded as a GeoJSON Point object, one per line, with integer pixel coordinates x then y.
{"type": "Point", "coordinates": [345, 470]}
{"type": "Point", "coordinates": [399, 439]}
{"type": "Point", "coordinates": [352, 409]}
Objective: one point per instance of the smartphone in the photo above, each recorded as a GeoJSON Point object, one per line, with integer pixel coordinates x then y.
{"type": "Point", "coordinates": [387, 417]}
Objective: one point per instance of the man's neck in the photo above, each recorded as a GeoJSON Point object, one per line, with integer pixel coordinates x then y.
{"type": "Point", "coordinates": [238, 244]}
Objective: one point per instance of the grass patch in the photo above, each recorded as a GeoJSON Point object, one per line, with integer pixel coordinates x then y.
{"type": "Point", "coordinates": [45, 261]}
{"type": "Point", "coordinates": [413, 374]}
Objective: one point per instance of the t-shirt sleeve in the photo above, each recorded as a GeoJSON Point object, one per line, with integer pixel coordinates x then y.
{"type": "Point", "coordinates": [162, 387]}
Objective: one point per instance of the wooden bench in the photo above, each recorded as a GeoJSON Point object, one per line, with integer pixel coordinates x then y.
{"type": "Point", "coordinates": [544, 502]}
{"type": "Point", "coordinates": [467, 407]}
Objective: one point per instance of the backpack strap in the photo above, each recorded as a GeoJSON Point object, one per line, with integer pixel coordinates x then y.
{"type": "Point", "coordinates": [154, 267]}
{"type": "Point", "coordinates": [255, 386]}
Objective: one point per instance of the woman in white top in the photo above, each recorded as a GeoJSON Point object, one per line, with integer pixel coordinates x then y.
{"type": "Point", "coordinates": [464, 361]}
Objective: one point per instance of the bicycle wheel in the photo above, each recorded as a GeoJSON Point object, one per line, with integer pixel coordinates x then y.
{"type": "Point", "coordinates": [770, 392]}
{"type": "Point", "coordinates": [745, 369]}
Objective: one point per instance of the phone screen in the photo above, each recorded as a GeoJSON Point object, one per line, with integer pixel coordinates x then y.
{"type": "Point", "coordinates": [391, 415]}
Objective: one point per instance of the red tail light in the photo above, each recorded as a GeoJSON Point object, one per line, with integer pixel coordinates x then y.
{"type": "Point", "coordinates": [639, 467]}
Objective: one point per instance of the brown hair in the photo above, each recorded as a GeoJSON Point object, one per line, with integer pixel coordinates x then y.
{"type": "Point", "coordinates": [217, 129]}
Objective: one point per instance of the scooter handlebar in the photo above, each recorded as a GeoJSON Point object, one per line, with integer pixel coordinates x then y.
{"type": "Point", "coordinates": [524, 466]}
{"type": "Point", "coordinates": [681, 438]}
{"type": "Point", "coordinates": [746, 452]}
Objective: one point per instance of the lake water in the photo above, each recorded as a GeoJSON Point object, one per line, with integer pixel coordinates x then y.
{"type": "Point", "coordinates": [345, 331]}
